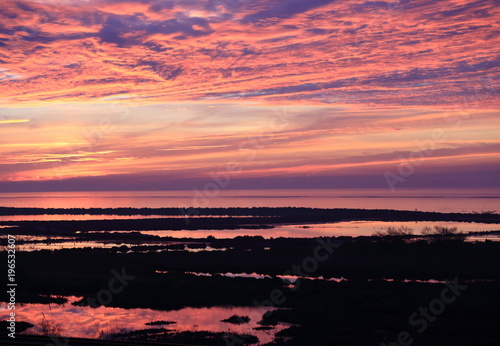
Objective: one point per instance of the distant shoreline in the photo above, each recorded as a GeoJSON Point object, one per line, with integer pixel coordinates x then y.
{"type": "Point", "coordinates": [256, 211]}
{"type": "Point", "coordinates": [236, 218]}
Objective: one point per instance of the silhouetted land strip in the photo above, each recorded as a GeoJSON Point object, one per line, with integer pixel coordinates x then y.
{"type": "Point", "coordinates": [257, 218]}
{"type": "Point", "coordinates": [260, 211]}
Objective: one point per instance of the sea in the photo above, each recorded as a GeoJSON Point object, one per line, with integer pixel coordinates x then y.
{"type": "Point", "coordinates": [430, 200]}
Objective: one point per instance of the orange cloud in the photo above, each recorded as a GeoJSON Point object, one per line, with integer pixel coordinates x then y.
{"type": "Point", "coordinates": [355, 52]}
{"type": "Point", "coordinates": [100, 88]}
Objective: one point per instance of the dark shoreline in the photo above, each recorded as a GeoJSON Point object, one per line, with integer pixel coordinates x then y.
{"type": "Point", "coordinates": [256, 211]}
{"type": "Point", "coordinates": [237, 218]}
{"type": "Point", "coordinates": [365, 309]}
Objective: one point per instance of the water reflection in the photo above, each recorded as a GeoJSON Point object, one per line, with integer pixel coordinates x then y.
{"type": "Point", "coordinates": [337, 229]}
{"type": "Point", "coordinates": [292, 279]}
{"type": "Point", "coordinates": [65, 245]}
{"type": "Point", "coordinates": [347, 228]}
{"type": "Point", "coordinates": [127, 246]}
{"type": "Point", "coordinates": [88, 322]}
{"type": "Point", "coordinates": [484, 237]}
{"type": "Point", "coordinates": [286, 278]}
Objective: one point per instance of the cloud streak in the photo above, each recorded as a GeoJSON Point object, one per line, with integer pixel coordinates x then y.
{"type": "Point", "coordinates": [315, 52]}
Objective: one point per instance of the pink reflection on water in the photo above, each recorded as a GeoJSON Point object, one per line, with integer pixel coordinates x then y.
{"type": "Point", "coordinates": [245, 275]}
{"type": "Point", "coordinates": [431, 281]}
{"type": "Point", "coordinates": [67, 245]}
{"type": "Point", "coordinates": [78, 244]}
{"type": "Point", "coordinates": [88, 322]}
{"type": "Point", "coordinates": [288, 278]}
{"type": "Point", "coordinates": [337, 229]}
{"type": "Point", "coordinates": [293, 278]}
{"type": "Point", "coordinates": [483, 238]}
{"type": "Point", "coordinates": [197, 274]}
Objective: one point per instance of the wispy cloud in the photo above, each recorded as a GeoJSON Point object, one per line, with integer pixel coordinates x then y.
{"type": "Point", "coordinates": [175, 88]}
{"type": "Point", "coordinates": [13, 121]}
{"type": "Point", "coordinates": [418, 53]}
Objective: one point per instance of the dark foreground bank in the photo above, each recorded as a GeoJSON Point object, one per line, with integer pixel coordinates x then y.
{"type": "Point", "coordinates": [385, 295]}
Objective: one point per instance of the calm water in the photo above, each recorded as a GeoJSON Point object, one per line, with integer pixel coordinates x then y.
{"type": "Point", "coordinates": [88, 322]}
{"type": "Point", "coordinates": [423, 200]}
{"type": "Point", "coordinates": [292, 279]}
{"type": "Point", "coordinates": [345, 228]}
{"type": "Point", "coordinates": [402, 199]}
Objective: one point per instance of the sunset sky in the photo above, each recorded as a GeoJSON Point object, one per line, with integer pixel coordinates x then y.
{"type": "Point", "coordinates": [172, 94]}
